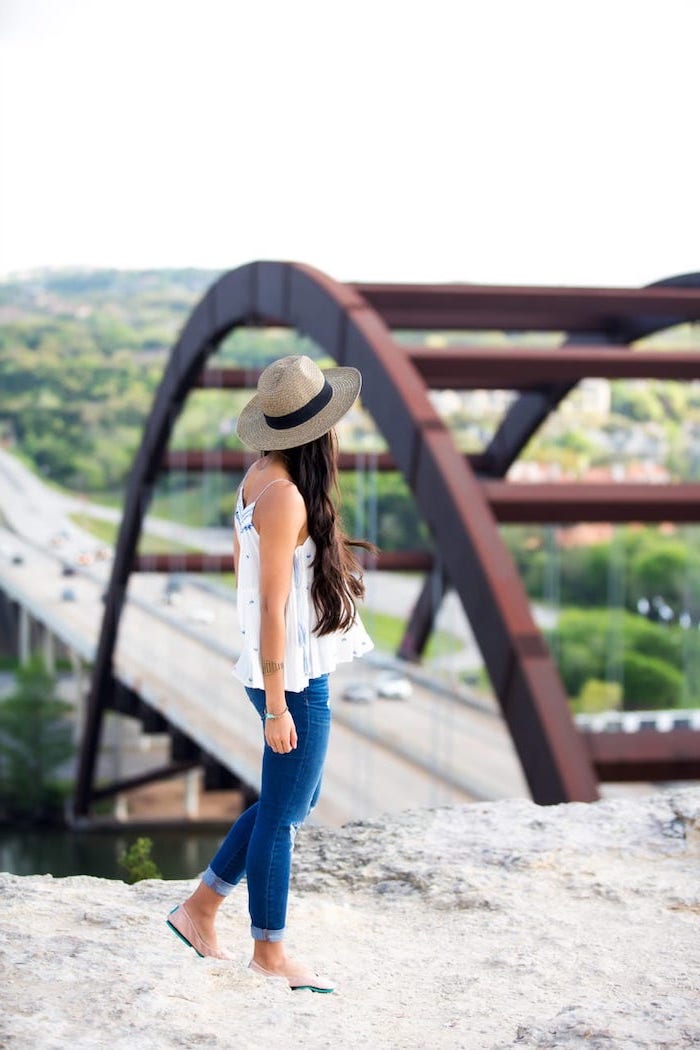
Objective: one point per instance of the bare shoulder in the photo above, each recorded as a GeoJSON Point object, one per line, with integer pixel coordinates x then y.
{"type": "Point", "coordinates": [281, 501]}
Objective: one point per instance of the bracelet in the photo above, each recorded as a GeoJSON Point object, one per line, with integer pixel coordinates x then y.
{"type": "Point", "coordinates": [270, 666]}
{"type": "Point", "coordinates": [267, 715]}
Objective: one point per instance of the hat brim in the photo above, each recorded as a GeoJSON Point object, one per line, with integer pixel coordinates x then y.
{"type": "Point", "coordinates": [254, 432]}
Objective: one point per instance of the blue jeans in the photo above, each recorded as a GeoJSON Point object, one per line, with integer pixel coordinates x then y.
{"type": "Point", "coordinates": [260, 843]}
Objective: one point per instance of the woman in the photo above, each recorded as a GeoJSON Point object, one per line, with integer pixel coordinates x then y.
{"type": "Point", "coordinates": [298, 583]}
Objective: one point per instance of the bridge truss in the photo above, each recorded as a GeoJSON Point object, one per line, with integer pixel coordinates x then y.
{"type": "Point", "coordinates": [462, 498]}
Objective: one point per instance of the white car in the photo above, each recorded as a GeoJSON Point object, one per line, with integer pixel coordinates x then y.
{"type": "Point", "coordinates": [202, 615]}
{"type": "Point", "coordinates": [359, 693]}
{"type": "Point", "coordinates": [394, 686]}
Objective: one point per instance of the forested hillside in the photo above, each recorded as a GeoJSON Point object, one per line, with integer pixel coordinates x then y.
{"type": "Point", "coordinates": [80, 357]}
{"type": "Point", "coordinates": [81, 354]}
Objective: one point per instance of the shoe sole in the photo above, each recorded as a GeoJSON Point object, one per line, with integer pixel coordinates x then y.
{"type": "Point", "coordinates": [182, 938]}
{"type": "Point", "coordinates": [262, 972]}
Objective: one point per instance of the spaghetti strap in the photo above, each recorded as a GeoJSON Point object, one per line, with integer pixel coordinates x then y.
{"type": "Point", "coordinates": [264, 489]}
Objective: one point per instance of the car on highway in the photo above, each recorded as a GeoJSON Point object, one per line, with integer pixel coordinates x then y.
{"type": "Point", "coordinates": [68, 594]}
{"type": "Point", "coordinates": [67, 569]}
{"type": "Point", "coordinates": [394, 686]}
{"type": "Point", "coordinates": [202, 615]}
{"type": "Point", "coordinates": [359, 693]}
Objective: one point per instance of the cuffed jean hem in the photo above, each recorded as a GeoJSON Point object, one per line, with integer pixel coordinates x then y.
{"type": "Point", "coordinates": [212, 880]}
{"type": "Point", "coordinates": [266, 935]}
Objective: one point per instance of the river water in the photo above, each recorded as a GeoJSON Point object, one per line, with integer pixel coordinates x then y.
{"type": "Point", "coordinates": [179, 853]}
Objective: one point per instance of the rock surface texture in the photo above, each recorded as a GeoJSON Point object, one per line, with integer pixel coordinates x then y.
{"type": "Point", "coordinates": [485, 926]}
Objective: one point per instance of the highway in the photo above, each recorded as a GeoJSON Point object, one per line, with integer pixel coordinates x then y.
{"type": "Point", "coordinates": [386, 756]}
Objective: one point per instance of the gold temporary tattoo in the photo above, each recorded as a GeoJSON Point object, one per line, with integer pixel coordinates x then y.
{"type": "Point", "coordinates": [270, 666]}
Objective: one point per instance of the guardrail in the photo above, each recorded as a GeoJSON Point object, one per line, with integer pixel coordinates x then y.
{"type": "Point", "coordinates": [638, 721]}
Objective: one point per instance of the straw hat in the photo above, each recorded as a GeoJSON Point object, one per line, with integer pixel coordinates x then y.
{"type": "Point", "coordinates": [296, 403]}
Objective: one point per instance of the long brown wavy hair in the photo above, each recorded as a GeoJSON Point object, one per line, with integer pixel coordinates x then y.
{"type": "Point", "coordinates": [338, 582]}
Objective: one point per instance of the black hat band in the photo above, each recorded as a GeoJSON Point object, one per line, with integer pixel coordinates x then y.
{"type": "Point", "coordinates": [303, 414]}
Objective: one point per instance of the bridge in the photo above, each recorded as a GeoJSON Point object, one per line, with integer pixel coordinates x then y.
{"type": "Point", "coordinates": [461, 498]}
{"type": "Point", "coordinates": [384, 757]}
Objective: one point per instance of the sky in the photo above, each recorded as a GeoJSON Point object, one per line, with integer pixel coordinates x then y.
{"type": "Point", "coordinates": [498, 141]}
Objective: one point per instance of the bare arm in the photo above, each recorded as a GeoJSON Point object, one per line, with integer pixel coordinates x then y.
{"type": "Point", "coordinates": [280, 517]}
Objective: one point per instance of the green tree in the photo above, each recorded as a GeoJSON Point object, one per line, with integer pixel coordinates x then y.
{"type": "Point", "coordinates": [584, 575]}
{"type": "Point", "coordinates": [598, 696]}
{"type": "Point", "coordinates": [664, 570]}
{"type": "Point", "coordinates": [650, 683]}
{"type": "Point", "coordinates": [35, 741]}
{"type": "Point", "coordinates": [137, 861]}
{"type": "Point", "coordinates": [636, 400]}
{"type": "Point", "coordinates": [674, 398]}
{"type": "Point", "coordinates": [652, 659]}
{"type": "Point", "coordinates": [383, 501]}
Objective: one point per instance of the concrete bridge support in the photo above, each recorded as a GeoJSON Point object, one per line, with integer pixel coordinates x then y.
{"type": "Point", "coordinates": [24, 646]}
{"type": "Point", "coordinates": [79, 691]}
{"type": "Point", "coordinates": [48, 649]}
{"type": "Point", "coordinates": [9, 626]}
{"type": "Point", "coordinates": [192, 779]}
{"type": "Point", "coordinates": [33, 637]}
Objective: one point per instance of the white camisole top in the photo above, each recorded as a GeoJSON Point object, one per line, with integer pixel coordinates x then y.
{"type": "Point", "coordinates": [306, 654]}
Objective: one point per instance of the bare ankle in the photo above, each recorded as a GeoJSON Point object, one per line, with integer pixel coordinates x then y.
{"type": "Point", "coordinates": [270, 954]}
{"type": "Point", "coordinates": [205, 902]}
{"type": "Point", "coordinates": [202, 911]}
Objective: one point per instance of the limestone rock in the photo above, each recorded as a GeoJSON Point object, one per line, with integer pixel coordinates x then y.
{"type": "Point", "coordinates": [492, 925]}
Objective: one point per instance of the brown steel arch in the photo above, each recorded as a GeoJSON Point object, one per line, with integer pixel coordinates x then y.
{"type": "Point", "coordinates": [351, 324]}
{"type": "Point", "coordinates": [605, 325]}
